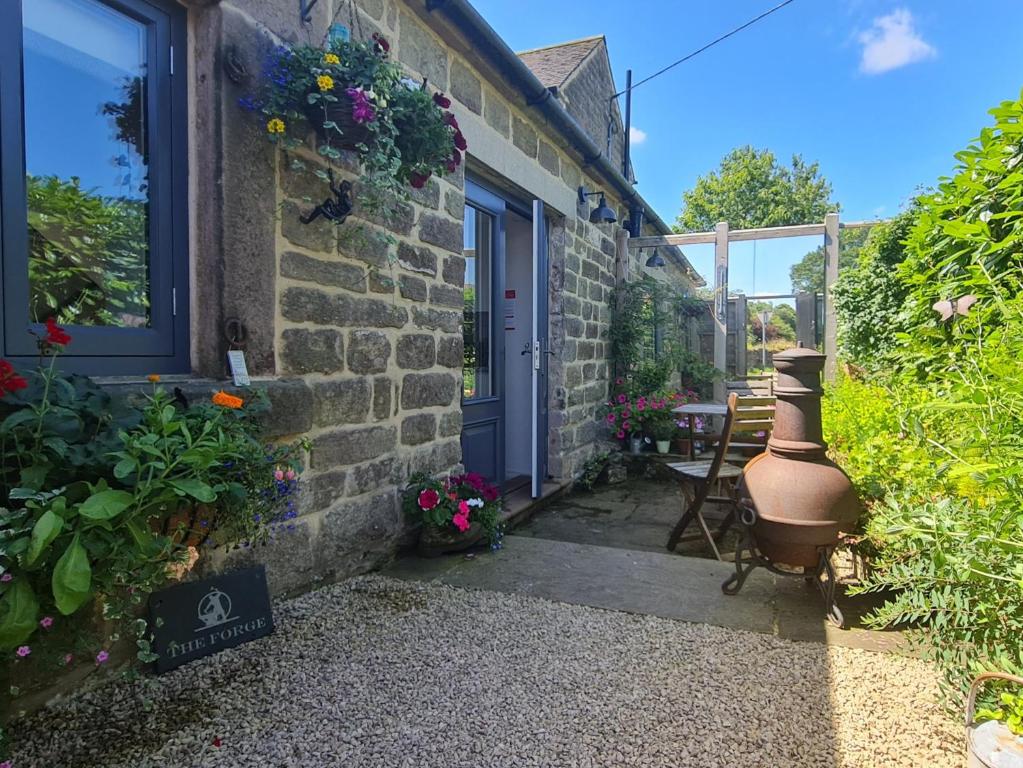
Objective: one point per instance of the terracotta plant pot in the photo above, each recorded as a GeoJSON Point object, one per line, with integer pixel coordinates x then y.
{"type": "Point", "coordinates": [340, 112]}
{"type": "Point", "coordinates": [682, 446]}
{"type": "Point", "coordinates": [188, 523]}
{"type": "Point", "coordinates": [434, 541]}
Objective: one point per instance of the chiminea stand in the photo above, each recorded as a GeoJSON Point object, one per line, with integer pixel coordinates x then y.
{"type": "Point", "coordinates": [748, 559]}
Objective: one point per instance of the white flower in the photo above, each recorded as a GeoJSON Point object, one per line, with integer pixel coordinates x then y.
{"type": "Point", "coordinates": [475, 502]}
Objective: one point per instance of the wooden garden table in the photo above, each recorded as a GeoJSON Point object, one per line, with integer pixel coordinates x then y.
{"type": "Point", "coordinates": [692, 410]}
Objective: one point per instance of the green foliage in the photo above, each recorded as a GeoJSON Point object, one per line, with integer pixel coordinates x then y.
{"type": "Point", "coordinates": [807, 275]}
{"type": "Point", "coordinates": [592, 469]}
{"type": "Point", "coordinates": [454, 503]}
{"type": "Point", "coordinates": [752, 189]}
{"type": "Point", "coordinates": [88, 255]}
{"type": "Point", "coordinates": [870, 296]}
{"type": "Point", "coordinates": [1010, 712]}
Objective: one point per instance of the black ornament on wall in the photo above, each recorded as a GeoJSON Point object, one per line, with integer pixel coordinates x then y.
{"type": "Point", "coordinates": [337, 209]}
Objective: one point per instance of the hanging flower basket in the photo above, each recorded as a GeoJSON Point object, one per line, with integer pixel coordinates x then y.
{"type": "Point", "coordinates": [346, 132]}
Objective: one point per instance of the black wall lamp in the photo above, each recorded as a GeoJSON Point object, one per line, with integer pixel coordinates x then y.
{"type": "Point", "coordinates": [601, 214]}
{"type": "Point", "coordinates": [655, 260]}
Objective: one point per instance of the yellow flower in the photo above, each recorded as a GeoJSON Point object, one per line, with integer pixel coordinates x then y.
{"type": "Point", "coordinates": [325, 82]}
{"type": "Point", "coordinates": [331, 58]}
{"type": "Point", "coordinates": [154, 377]}
{"type": "Point", "coordinates": [275, 125]}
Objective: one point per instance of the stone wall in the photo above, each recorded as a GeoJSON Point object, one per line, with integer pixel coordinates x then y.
{"type": "Point", "coordinates": [356, 330]}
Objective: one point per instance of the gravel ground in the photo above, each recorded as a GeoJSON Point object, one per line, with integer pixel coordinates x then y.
{"type": "Point", "coordinates": [376, 672]}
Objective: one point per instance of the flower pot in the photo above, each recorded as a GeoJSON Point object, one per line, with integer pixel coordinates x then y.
{"type": "Point", "coordinates": [991, 743]}
{"type": "Point", "coordinates": [682, 446]}
{"type": "Point", "coordinates": [435, 541]}
{"type": "Point", "coordinates": [190, 526]}
{"type": "Point", "coordinates": [635, 445]}
{"type": "Point", "coordinates": [340, 112]}
{"type": "Point", "coordinates": [663, 446]}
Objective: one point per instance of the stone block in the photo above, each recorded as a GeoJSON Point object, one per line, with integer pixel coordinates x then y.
{"type": "Point", "coordinates": [368, 352]}
{"type": "Point", "coordinates": [380, 282]}
{"type": "Point", "coordinates": [417, 259]}
{"type": "Point", "coordinates": [497, 114]}
{"type": "Point", "coordinates": [590, 270]}
{"type": "Point", "coordinates": [451, 424]}
{"type": "Point", "coordinates": [596, 292]}
{"type": "Point", "coordinates": [548, 157]}
{"type": "Point", "coordinates": [291, 407]}
{"type": "Point", "coordinates": [441, 231]}
{"type": "Point", "coordinates": [454, 203]}
{"type": "Point", "coordinates": [312, 351]}
{"type": "Point", "coordinates": [524, 136]}
{"type": "Point", "coordinates": [439, 457]}
{"type": "Point", "coordinates": [416, 351]}
{"type": "Point", "coordinates": [450, 352]}
{"type": "Point", "coordinates": [465, 86]}
{"type": "Point", "coordinates": [316, 236]}
{"type": "Point", "coordinates": [418, 429]}
{"type": "Point", "coordinates": [298, 266]}
{"type": "Point", "coordinates": [288, 558]}
{"type": "Point", "coordinates": [435, 319]}
{"type": "Point", "coordinates": [422, 390]}
{"type": "Point", "coordinates": [447, 296]}
{"type": "Point", "coordinates": [412, 288]}
{"type": "Point", "coordinates": [358, 535]}
{"type": "Point", "coordinates": [454, 271]}
{"type": "Point", "coordinates": [427, 195]}
{"type": "Point", "coordinates": [591, 330]}
{"type": "Point", "coordinates": [418, 48]}
{"type": "Point", "coordinates": [324, 488]}
{"type": "Point", "coordinates": [368, 477]}
{"type": "Point", "coordinates": [574, 327]}
{"type": "Point", "coordinates": [365, 244]}
{"type": "Point", "coordinates": [344, 401]}
{"type": "Point", "coordinates": [396, 216]}
{"type": "Point", "coordinates": [382, 396]}
{"type": "Point", "coordinates": [585, 350]}
{"type": "Point", "coordinates": [351, 446]}
{"type": "Point", "coordinates": [309, 305]}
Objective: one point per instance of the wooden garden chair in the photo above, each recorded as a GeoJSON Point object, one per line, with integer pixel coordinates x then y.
{"type": "Point", "coordinates": [750, 417]}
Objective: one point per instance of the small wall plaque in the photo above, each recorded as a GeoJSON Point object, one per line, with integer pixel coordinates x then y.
{"type": "Point", "coordinates": [200, 618]}
{"type": "Point", "coordinates": [239, 370]}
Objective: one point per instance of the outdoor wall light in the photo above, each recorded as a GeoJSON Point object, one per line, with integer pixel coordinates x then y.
{"type": "Point", "coordinates": [655, 260]}
{"type": "Point", "coordinates": [601, 214]}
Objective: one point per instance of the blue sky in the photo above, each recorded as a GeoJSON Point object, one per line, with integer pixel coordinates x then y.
{"type": "Point", "coordinates": [880, 92]}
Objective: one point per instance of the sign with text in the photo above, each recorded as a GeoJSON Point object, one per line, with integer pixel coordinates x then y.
{"type": "Point", "coordinates": [200, 618]}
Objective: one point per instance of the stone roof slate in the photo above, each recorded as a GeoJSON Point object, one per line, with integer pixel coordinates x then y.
{"type": "Point", "coordinates": [554, 64]}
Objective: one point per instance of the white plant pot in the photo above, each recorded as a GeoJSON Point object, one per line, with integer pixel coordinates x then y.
{"type": "Point", "coordinates": [663, 446]}
{"type": "Point", "coordinates": [991, 744]}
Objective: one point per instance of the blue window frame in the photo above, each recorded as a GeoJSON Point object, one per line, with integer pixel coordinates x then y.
{"type": "Point", "coordinates": [93, 182]}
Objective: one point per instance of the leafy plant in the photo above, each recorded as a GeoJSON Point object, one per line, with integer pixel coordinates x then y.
{"type": "Point", "coordinates": [1010, 713]}
{"type": "Point", "coordinates": [455, 502]}
{"type": "Point", "coordinates": [592, 469]}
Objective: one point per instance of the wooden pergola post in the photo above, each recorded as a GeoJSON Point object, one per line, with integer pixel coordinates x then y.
{"type": "Point", "coordinates": [831, 242]}
{"type": "Point", "coordinates": [720, 306]}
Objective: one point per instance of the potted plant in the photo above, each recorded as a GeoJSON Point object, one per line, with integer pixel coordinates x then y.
{"type": "Point", "coordinates": [456, 512]}
{"type": "Point", "coordinates": [355, 98]}
{"type": "Point", "coordinates": [662, 430]}
{"type": "Point", "coordinates": [994, 735]}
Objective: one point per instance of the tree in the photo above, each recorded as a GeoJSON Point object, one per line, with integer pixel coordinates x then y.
{"type": "Point", "coordinates": [752, 189]}
{"type": "Point", "coordinates": [808, 275]}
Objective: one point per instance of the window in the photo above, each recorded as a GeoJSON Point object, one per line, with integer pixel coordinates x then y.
{"type": "Point", "coordinates": [93, 222]}
{"type": "Point", "coordinates": [477, 366]}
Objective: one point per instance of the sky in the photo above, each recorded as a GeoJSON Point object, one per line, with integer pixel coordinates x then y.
{"type": "Point", "coordinates": [881, 93]}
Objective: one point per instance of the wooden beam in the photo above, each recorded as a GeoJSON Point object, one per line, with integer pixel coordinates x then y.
{"type": "Point", "coordinates": [720, 308]}
{"type": "Point", "coordinates": [741, 235]}
{"type": "Point", "coordinates": [770, 233]}
{"type": "Point", "coordinates": [659, 241]}
{"type": "Point", "coordinates": [831, 243]}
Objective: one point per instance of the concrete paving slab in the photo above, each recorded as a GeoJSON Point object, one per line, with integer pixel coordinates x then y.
{"type": "Point", "coordinates": [646, 582]}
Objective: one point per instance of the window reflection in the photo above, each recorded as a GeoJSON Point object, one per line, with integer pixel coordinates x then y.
{"type": "Point", "coordinates": [476, 325]}
{"type": "Point", "coordinates": [86, 157]}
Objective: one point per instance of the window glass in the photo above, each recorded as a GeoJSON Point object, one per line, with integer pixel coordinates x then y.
{"type": "Point", "coordinates": [476, 326]}
{"type": "Point", "coordinates": [86, 160]}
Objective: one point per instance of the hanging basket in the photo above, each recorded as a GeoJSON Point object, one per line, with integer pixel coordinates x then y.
{"type": "Point", "coordinates": [339, 112]}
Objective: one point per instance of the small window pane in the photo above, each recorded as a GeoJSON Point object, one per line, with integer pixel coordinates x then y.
{"type": "Point", "coordinates": [476, 369]}
{"type": "Point", "coordinates": [87, 164]}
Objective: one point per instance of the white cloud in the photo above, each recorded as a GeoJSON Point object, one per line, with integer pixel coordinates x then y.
{"type": "Point", "coordinates": [892, 42]}
{"type": "Point", "coordinates": [636, 136]}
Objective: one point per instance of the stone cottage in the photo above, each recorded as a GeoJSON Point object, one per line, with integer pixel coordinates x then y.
{"type": "Point", "coordinates": [358, 339]}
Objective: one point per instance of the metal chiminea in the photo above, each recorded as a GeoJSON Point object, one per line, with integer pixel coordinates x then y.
{"type": "Point", "coordinates": [793, 500]}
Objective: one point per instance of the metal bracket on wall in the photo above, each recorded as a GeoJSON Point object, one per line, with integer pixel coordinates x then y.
{"type": "Point", "coordinates": [305, 8]}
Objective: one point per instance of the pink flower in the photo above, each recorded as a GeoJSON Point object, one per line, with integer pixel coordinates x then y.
{"type": "Point", "coordinates": [463, 507]}
{"type": "Point", "coordinates": [46, 622]}
{"type": "Point", "coordinates": [640, 405]}
{"type": "Point", "coordinates": [626, 413]}
{"type": "Point", "coordinates": [461, 522]}
{"type": "Point", "coordinates": [620, 434]}
{"type": "Point", "coordinates": [622, 399]}
{"type": "Point", "coordinates": [441, 100]}
{"type": "Point", "coordinates": [68, 658]}
{"type": "Point", "coordinates": [611, 418]}
{"type": "Point", "coordinates": [217, 742]}
{"type": "Point", "coordinates": [449, 119]}
{"type": "Point", "coordinates": [290, 474]}
{"type": "Point", "coordinates": [619, 381]}
{"type": "Point", "coordinates": [6, 577]}
{"type": "Point", "coordinates": [23, 651]}
{"type": "Point", "coordinates": [6, 764]}
{"type": "Point", "coordinates": [101, 657]}
{"type": "Point", "coordinates": [428, 499]}
{"type": "Point", "coordinates": [279, 474]}
{"type": "Point", "coordinates": [626, 425]}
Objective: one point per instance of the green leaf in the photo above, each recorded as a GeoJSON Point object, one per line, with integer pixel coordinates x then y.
{"type": "Point", "coordinates": [34, 477]}
{"type": "Point", "coordinates": [18, 417]}
{"type": "Point", "coordinates": [105, 505]}
{"type": "Point", "coordinates": [197, 489]}
{"type": "Point", "coordinates": [18, 612]}
{"type": "Point", "coordinates": [72, 578]}
{"type": "Point", "coordinates": [123, 468]}
{"type": "Point", "coordinates": [46, 529]}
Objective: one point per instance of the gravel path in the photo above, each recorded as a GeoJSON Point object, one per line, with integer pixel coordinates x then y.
{"type": "Point", "coordinates": [376, 672]}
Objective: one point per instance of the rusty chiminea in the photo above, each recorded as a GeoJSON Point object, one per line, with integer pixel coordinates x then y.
{"type": "Point", "coordinates": [794, 501]}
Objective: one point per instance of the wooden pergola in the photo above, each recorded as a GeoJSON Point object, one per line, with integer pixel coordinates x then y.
{"type": "Point", "coordinates": [721, 236]}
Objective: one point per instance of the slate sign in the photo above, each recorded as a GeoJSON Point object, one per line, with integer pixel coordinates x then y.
{"type": "Point", "coordinates": [200, 618]}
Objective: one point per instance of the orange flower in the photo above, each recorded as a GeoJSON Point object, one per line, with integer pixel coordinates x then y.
{"type": "Point", "coordinates": [226, 400]}
{"type": "Point", "coordinates": [154, 377]}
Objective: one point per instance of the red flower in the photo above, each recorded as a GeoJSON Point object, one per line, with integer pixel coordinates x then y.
{"type": "Point", "coordinates": [451, 165]}
{"type": "Point", "coordinates": [428, 499]}
{"type": "Point", "coordinates": [490, 493]}
{"type": "Point", "coordinates": [217, 742]}
{"type": "Point", "coordinates": [418, 180]}
{"type": "Point", "coordinates": [55, 334]}
{"type": "Point", "coordinates": [450, 120]}
{"type": "Point", "coordinates": [9, 380]}
{"type": "Point", "coordinates": [441, 100]}
{"type": "Point", "coordinates": [460, 141]}
{"type": "Point", "coordinates": [381, 43]}
{"type": "Point", "coordinates": [456, 156]}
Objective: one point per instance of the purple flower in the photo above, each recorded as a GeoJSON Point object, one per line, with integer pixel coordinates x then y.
{"type": "Point", "coordinates": [6, 577]}
{"type": "Point", "coordinates": [23, 651]}
{"type": "Point", "coordinates": [101, 657]}
{"type": "Point", "coordinates": [46, 622]}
